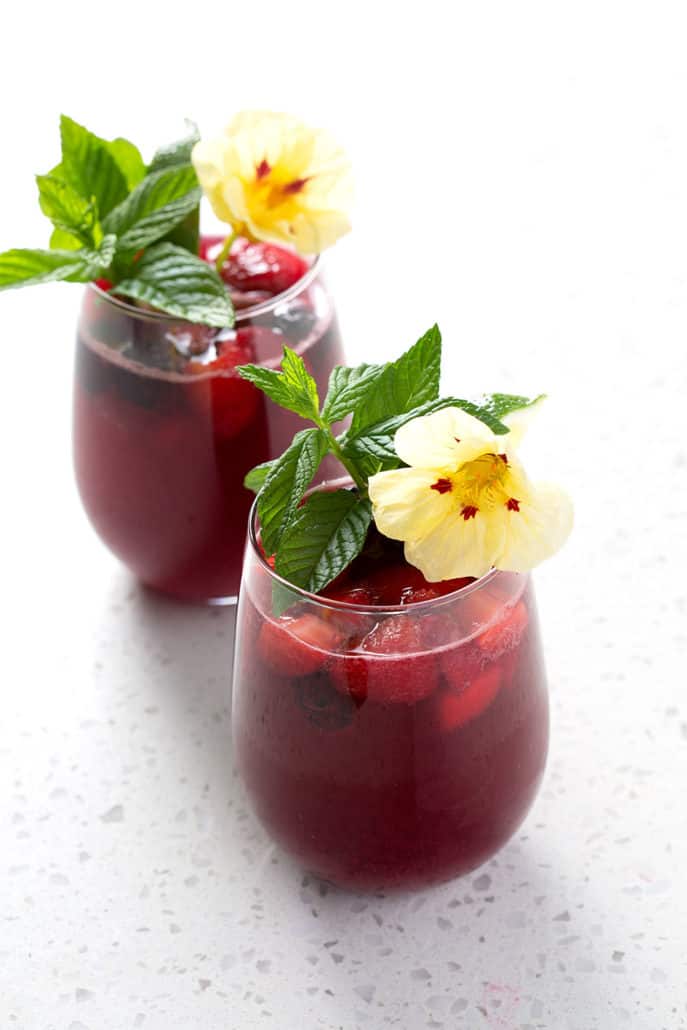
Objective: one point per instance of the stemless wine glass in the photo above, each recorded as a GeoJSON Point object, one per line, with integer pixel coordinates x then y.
{"type": "Point", "coordinates": [165, 429]}
{"type": "Point", "coordinates": [393, 767]}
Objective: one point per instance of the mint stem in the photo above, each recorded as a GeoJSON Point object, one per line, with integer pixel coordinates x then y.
{"type": "Point", "coordinates": [335, 448]}
{"type": "Point", "coordinates": [224, 252]}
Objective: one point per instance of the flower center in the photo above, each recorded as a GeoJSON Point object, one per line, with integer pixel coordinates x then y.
{"type": "Point", "coordinates": [262, 169]}
{"type": "Point", "coordinates": [275, 186]}
{"type": "Point", "coordinates": [479, 485]}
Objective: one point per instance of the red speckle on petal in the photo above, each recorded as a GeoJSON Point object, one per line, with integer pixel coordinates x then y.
{"type": "Point", "coordinates": [262, 169]}
{"type": "Point", "coordinates": [504, 458]}
{"type": "Point", "coordinates": [295, 186]}
{"type": "Point", "coordinates": [469, 511]}
{"type": "Point", "coordinates": [512, 504]}
{"type": "Point", "coordinates": [457, 439]}
{"type": "Point", "coordinates": [442, 486]}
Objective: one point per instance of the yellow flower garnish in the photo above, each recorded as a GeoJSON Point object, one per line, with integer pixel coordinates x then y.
{"type": "Point", "coordinates": [465, 505]}
{"type": "Point", "coordinates": [272, 178]}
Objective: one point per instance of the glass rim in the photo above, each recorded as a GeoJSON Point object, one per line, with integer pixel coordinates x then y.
{"type": "Point", "coordinates": [364, 609]}
{"type": "Point", "coordinates": [240, 314]}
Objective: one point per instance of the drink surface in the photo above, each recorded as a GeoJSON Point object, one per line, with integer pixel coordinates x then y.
{"type": "Point", "coordinates": [165, 430]}
{"type": "Point", "coordinates": [391, 748]}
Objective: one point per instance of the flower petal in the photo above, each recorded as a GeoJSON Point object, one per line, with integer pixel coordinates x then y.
{"type": "Point", "coordinates": [274, 178]}
{"type": "Point", "coordinates": [208, 160]}
{"type": "Point", "coordinates": [313, 232]}
{"type": "Point", "coordinates": [404, 504]}
{"type": "Point", "coordinates": [443, 440]}
{"type": "Point", "coordinates": [537, 528]}
{"type": "Point", "coordinates": [459, 547]}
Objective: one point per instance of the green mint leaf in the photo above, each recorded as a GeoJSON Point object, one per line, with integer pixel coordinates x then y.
{"type": "Point", "coordinates": [67, 210]}
{"type": "Point", "coordinates": [30, 267]}
{"type": "Point", "coordinates": [129, 160]}
{"type": "Point", "coordinates": [89, 167]}
{"type": "Point", "coordinates": [61, 240]}
{"type": "Point", "coordinates": [323, 538]}
{"type": "Point", "coordinates": [405, 384]}
{"type": "Point", "coordinates": [155, 206]}
{"type": "Point", "coordinates": [178, 153]}
{"type": "Point", "coordinates": [372, 450]}
{"type": "Point", "coordinates": [172, 280]}
{"type": "Point", "coordinates": [255, 479]}
{"type": "Point", "coordinates": [347, 387]}
{"type": "Point", "coordinates": [187, 233]}
{"type": "Point", "coordinates": [293, 388]}
{"type": "Point", "coordinates": [500, 404]}
{"type": "Point", "coordinates": [286, 483]}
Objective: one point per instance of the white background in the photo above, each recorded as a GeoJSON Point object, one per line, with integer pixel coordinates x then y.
{"type": "Point", "coordinates": [522, 179]}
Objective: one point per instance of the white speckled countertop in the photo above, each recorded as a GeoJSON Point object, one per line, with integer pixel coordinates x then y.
{"type": "Point", "coordinates": [137, 889]}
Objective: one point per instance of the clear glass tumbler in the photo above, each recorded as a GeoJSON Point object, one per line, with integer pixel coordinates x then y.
{"type": "Point", "coordinates": [389, 747]}
{"type": "Point", "coordinates": [165, 429]}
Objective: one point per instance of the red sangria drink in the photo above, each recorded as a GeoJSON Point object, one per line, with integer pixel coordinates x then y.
{"type": "Point", "coordinates": [165, 429]}
{"type": "Point", "coordinates": [392, 732]}
{"type": "Point", "coordinates": [390, 703]}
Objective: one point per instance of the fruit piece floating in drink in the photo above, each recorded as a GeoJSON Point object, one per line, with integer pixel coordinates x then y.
{"type": "Point", "coordinates": [165, 430]}
{"type": "Point", "coordinates": [390, 703]}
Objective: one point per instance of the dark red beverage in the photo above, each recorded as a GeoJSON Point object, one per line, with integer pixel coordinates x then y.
{"type": "Point", "coordinates": [165, 429]}
{"type": "Point", "coordinates": [394, 733]}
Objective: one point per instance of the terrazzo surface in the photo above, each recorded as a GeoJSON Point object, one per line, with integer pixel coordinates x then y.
{"type": "Point", "coordinates": [137, 891]}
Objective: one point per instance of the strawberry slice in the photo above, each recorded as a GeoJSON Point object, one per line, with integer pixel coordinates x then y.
{"type": "Point", "coordinates": [351, 594]}
{"type": "Point", "coordinates": [356, 625]}
{"type": "Point", "coordinates": [209, 247]}
{"type": "Point", "coordinates": [387, 668]}
{"type": "Point", "coordinates": [256, 266]}
{"type": "Point", "coordinates": [404, 584]}
{"type": "Point", "coordinates": [458, 707]}
{"type": "Point", "coordinates": [507, 633]}
{"type": "Point", "coordinates": [234, 402]}
{"type": "Point", "coordinates": [300, 645]}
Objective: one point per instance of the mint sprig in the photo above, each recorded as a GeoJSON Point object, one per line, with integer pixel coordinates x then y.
{"type": "Point", "coordinates": [499, 404]}
{"type": "Point", "coordinates": [315, 539]}
{"type": "Point", "coordinates": [323, 539]}
{"type": "Point", "coordinates": [286, 482]}
{"type": "Point", "coordinates": [177, 153]}
{"type": "Point", "coordinates": [111, 219]}
{"type": "Point", "coordinates": [170, 279]}
{"type": "Point", "coordinates": [403, 385]}
{"type": "Point", "coordinates": [89, 166]}
{"type": "Point", "coordinates": [293, 388]}
{"type": "Point", "coordinates": [30, 267]}
{"type": "Point", "coordinates": [159, 202]}
{"type": "Point", "coordinates": [68, 210]}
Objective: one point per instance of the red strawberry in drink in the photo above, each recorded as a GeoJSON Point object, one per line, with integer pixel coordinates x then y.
{"type": "Point", "coordinates": [387, 666]}
{"type": "Point", "coordinates": [506, 633]}
{"type": "Point", "coordinates": [404, 584]}
{"type": "Point", "coordinates": [234, 401]}
{"type": "Point", "coordinates": [298, 645]}
{"type": "Point", "coordinates": [209, 247]}
{"type": "Point", "coordinates": [262, 266]}
{"type": "Point", "coordinates": [461, 703]}
{"type": "Point", "coordinates": [353, 623]}
{"type": "Point", "coordinates": [258, 267]}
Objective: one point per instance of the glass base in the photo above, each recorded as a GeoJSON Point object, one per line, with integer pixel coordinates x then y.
{"type": "Point", "coordinates": [208, 602]}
